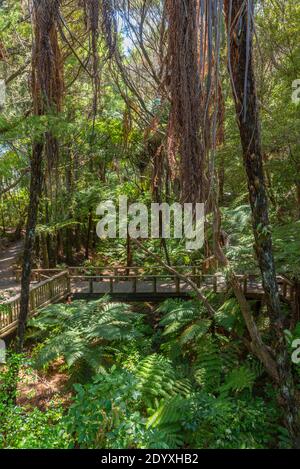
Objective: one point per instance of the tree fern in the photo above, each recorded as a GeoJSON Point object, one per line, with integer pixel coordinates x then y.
{"type": "Point", "coordinates": [85, 333]}
{"type": "Point", "coordinates": [178, 314]}
{"type": "Point", "coordinates": [238, 380]}
{"type": "Point", "coordinates": [208, 366]}
{"type": "Point", "coordinates": [183, 320]}
{"type": "Point", "coordinates": [195, 331]}
{"type": "Point", "coordinates": [229, 317]}
{"type": "Point", "coordinates": [157, 380]}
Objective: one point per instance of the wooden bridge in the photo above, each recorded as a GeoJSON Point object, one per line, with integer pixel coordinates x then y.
{"type": "Point", "coordinates": [128, 284]}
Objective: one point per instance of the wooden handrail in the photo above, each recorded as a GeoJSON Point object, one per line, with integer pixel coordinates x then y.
{"type": "Point", "coordinates": [40, 295]}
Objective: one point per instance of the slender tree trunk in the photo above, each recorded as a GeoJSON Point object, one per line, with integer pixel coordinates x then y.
{"type": "Point", "coordinates": [221, 177]}
{"type": "Point", "coordinates": [44, 246]}
{"type": "Point", "coordinates": [47, 91]}
{"type": "Point", "coordinates": [59, 246]}
{"type": "Point", "coordinates": [298, 198]}
{"type": "Point", "coordinates": [240, 31]}
{"type": "Point", "coordinates": [78, 238]}
{"type": "Point", "coordinates": [88, 234]}
{"type": "Point", "coordinates": [35, 191]}
{"type": "Point", "coordinates": [128, 254]}
{"type": "Point", "coordinates": [68, 246]}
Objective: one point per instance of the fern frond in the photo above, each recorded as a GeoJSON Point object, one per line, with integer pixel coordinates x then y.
{"type": "Point", "coordinates": [208, 366]}
{"type": "Point", "coordinates": [81, 332]}
{"type": "Point", "coordinates": [229, 317]}
{"type": "Point", "coordinates": [238, 380]}
{"type": "Point", "coordinates": [195, 331]}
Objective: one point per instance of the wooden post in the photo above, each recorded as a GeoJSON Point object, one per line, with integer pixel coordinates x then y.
{"type": "Point", "coordinates": [284, 289]}
{"type": "Point", "coordinates": [31, 302]}
{"type": "Point", "coordinates": [68, 283]}
{"type": "Point", "coordinates": [177, 283]}
{"type": "Point", "coordinates": [91, 286]}
{"type": "Point", "coordinates": [154, 284]}
{"type": "Point", "coordinates": [111, 285]}
{"type": "Point", "coordinates": [245, 284]}
{"type": "Point", "coordinates": [215, 283]}
{"type": "Point", "coordinates": [51, 292]}
{"type": "Point", "coordinates": [134, 285]}
{"type": "Point", "coordinates": [10, 314]}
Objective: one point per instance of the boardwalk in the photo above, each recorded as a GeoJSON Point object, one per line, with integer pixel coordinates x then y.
{"type": "Point", "coordinates": [128, 284]}
{"type": "Point", "coordinates": [8, 284]}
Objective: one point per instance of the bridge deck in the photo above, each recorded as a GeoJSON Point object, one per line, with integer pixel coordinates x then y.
{"type": "Point", "coordinates": [126, 284]}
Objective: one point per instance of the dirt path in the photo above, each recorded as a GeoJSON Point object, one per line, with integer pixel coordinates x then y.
{"type": "Point", "coordinates": [8, 257]}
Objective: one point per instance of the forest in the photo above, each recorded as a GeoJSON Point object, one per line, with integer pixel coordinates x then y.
{"type": "Point", "coordinates": [149, 224]}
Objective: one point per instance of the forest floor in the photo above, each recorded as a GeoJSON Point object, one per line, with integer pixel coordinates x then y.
{"type": "Point", "coordinates": [8, 258]}
{"type": "Point", "coordinates": [38, 389]}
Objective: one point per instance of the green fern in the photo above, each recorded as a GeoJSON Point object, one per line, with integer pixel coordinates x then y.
{"type": "Point", "coordinates": [157, 380]}
{"type": "Point", "coordinates": [82, 333]}
{"type": "Point", "coordinates": [169, 412]}
{"type": "Point", "coordinates": [178, 314]}
{"type": "Point", "coordinates": [195, 331]}
{"type": "Point", "coordinates": [238, 380]}
{"type": "Point", "coordinates": [183, 320]}
{"type": "Point", "coordinates": [230, 318]}
{"type": "Point", "coordinates": [208, 366]}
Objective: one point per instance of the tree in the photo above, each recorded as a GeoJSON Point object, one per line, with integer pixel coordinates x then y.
{"type": "Point", "coordinates": [47, 88]}
{"type": "Point", "coordinates": [239, 21]}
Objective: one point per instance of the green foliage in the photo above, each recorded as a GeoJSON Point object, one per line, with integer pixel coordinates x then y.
{"type": "Point", "coordinates": [19, 427]}
{"type": "Point", "coordinates": [208, 366]}
{"type": "Point", "coordinates": [230, 318]}
{"type": "Point", "coordinates": [157, 380]}
{"type": "Point", "coordinates": [9, 378]}
{"type": "Point", "coordinates": [37, 429]}
{"type": "Point", "coordinates": [108, 413]}
{"type": "Point", "coordinates": [183, 319]}
{"type": "Point", "coordinates": [239, 379]}
{"type": "Point", "coordinates": [204, 396]}
{"type": "Point", "coordinates": [101, 415]}
{"type": "Point", "coordinates": [85, 334]}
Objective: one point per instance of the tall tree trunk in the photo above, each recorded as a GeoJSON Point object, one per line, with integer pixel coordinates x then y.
{"type": "Point", "coordinates": [298, 198]}
{"type": "Point", "coordinates": [239, 20]}
{"type": "Point", "coordinates": [35, 191]}
{"type": "Point", "coordinates": [68, 246]}
{"type": "Point", "coordinates": [47, 90]}
{"type": "Point", "coordinates": [45, 256]}
{"type": "Point", "coordinates": [185, 90]}
{"type": "Point", "coordinates": [88, 234]}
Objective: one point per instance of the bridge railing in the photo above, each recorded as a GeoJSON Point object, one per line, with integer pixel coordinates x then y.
{"type": "Point", "coordinates": [144, 282]}
{"type": "Point", "coordinates": [136, 275]}
{"type": "Point", "coordinates": [46, 292]}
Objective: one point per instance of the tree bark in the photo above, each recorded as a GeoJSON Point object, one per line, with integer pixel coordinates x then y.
{"type": "Point", "coordinates": [35, 191]}
{"type": "Point", "coordinates": [239, 22]}
{"type": "Point", "coordinates": [88, 234]}
{"type": "Point", "coordinates": [298, 199]}
{"type": "Point", "coordinates": [47, 91]}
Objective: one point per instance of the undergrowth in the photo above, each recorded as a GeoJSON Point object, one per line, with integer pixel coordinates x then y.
{"type": "Point", "coordinates": [179, 382]}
